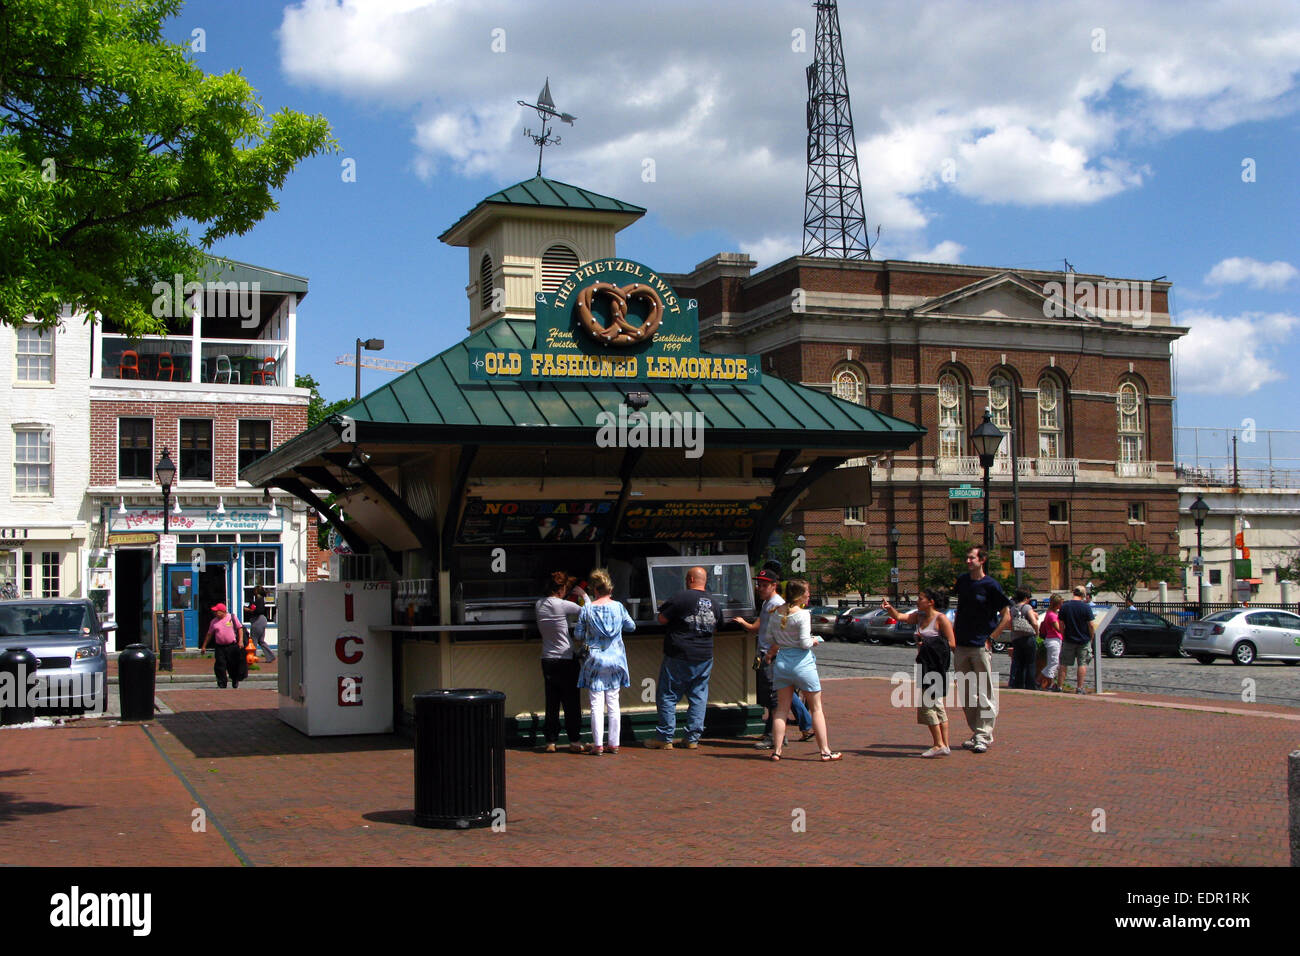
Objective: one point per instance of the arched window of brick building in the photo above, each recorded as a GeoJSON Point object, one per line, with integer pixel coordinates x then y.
{"type": "Point", "coordinates": [558, 263]}
{"type": "Point", "coordinates": [952, 417]}
{"type": "Point", "coordinates": [848, 383]}
{"type": "Point", "coordinates": [485, 282]}
{"type": "Point", "coordinates": [1128, 408]}
{"type": "Point", "coordinates": [1001, 395]}
{"type": "Point", "coordinates": [1050, 400]}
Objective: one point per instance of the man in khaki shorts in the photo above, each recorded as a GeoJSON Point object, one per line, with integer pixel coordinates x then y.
{"type": "Point", "coordinates": [1078, 629]}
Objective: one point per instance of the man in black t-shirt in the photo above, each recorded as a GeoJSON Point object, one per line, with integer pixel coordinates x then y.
{"type": "Point", "coordinates": [1077, 629]}
{"type": "Point", "coordinates": [983, 612]}
{"type": "Point", "coordinates": [691, 616]}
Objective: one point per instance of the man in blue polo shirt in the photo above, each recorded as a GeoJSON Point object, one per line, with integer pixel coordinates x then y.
{"type": "Point", "coordinates": [983, 612]}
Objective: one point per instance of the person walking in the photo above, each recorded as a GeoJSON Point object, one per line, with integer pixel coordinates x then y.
{"type": "Point", "coordinates": [935, 643]}
{"type": "Point", "coordinates": [227, 635]}
{"type": "Point", "coordinates": [983, 613]}
{"type": "Point", "coordinates": [601, 624]}
{"type": "Point", "coordinates": [765, 583]}
{"type": "Point", "coordinates": [1078, 629]}
{"type": "Point", "coordinates": [560, 665]}
{"type": "Point", "coordinates": [1024, 647]}
{"type": "Point", "coordinates": [793, 665]}
{"type": "Point", "coordinates": [257, 621]}
{"type": "Point", "coordinates": [690, 616]}
{"type": "Point", "coordinates": [1051, 633]}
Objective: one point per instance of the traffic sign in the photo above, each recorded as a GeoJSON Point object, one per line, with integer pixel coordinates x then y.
{"type": "Point", "coordinates": [964, 491]}
{"type": "Point", "coordinates": [893, 575]}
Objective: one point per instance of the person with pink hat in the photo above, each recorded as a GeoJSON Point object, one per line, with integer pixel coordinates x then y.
{"type": "Point", "coordinates": [228, 653]}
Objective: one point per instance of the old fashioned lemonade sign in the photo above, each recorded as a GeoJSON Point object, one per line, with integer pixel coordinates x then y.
{"type": "Point", "coordinates": [614, 320]}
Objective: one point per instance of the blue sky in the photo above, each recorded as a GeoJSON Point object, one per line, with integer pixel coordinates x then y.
{"type": "Point", "coordinates": [1109, 134]}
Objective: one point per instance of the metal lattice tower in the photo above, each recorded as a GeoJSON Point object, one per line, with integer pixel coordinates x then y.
{"type": "Point", "coordinates": [834, 222]}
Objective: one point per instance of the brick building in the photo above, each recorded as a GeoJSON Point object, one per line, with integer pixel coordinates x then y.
{"type": "Point", "coordinates": [1080, 364]}
{"type": "Point", "coordinates": [216, 393]}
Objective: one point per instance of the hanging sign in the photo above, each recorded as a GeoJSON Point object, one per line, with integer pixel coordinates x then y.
{"type": "Point", "coordinates": [614, 320]}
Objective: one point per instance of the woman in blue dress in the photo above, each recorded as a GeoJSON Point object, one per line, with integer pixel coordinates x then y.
{"type": "Point", "coordinates": [604, 673]}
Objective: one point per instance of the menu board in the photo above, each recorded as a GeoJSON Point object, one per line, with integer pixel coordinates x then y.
{"type": "Point", "coordinates": [534, 522]}
{"type": "Point", "coordinates": [690, 520]}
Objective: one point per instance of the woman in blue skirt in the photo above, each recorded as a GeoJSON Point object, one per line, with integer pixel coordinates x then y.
{"type": "Point", "coordinates": [793, 665]}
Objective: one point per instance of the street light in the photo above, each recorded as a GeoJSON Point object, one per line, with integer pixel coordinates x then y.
{"type": "Point", "coordinates": [894, 535]}
{"type": "Point", "coordinates": [987, 439]}
{"type": "Point", "coordinates": [370, 345]}
{"type": "Point", "coordinates": [1199, 510]}
{"type": "Point", "coordinates": [166, 472]}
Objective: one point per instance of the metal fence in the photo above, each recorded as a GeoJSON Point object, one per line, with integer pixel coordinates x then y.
{"type": "Point", "coordinates": [1176, 611]}
{"type": "Point", "coordinates": [1238, 457]}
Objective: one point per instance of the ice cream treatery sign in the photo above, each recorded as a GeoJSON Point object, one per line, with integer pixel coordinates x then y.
{"type": "Point", "coordinates": [614, 320]}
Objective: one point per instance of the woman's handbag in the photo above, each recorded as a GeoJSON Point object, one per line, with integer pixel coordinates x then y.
{"type": "Point", "coordinates": [1020, 625]}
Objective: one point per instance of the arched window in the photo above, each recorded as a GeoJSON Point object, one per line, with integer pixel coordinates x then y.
{"type": "Point", "coordinates": [952, 418]}
{"type": "Point", "coordinates": [1128, 408]}
{"type": "Point", "coordinates": [558, 263]}
{"type": "Point", "coordinates": [1049, 417]}
{"type": "Point", "coordinates": [485, 282]}
{"type": "Point", "coordinates": [849, 384]}
{"type": "Point", "coordinates": [1001, 393]}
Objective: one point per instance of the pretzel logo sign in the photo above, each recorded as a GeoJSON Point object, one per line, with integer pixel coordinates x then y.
{"type": "Point", "coordinates": [620, 333]}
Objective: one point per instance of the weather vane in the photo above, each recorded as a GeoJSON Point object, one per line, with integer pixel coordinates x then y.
{"type": "Point", "coordinates": [546, 112]}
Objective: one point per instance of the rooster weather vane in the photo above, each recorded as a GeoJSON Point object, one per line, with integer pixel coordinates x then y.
{"type": "Point", "coordinates": [546, 112]}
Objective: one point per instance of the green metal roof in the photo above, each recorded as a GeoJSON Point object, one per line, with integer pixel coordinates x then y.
{"type": "Point", "coordinates": [440, 393]}
{"type": "Point", "coordinates": [268, 280]}
{"type": "Point", "coordinates": [542, 193]}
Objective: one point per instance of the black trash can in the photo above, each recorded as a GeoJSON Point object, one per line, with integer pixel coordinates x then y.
{"type": "Point", "coordinates": [460, 758]}
{"type": "Point", "coordinates": [17, 674]}
{"type": "Point", "coordinates": [135, 682]}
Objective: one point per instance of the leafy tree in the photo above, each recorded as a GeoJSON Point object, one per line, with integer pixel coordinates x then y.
{"type": "Point", "coordinates": [943, 572]}
{"type": "Point", "coordinates": [1289, 570]}
{"type": "Point", "coordinates": [843, 565]}
{"type": "Point", "coordinates": [1129, 567]}
{"type": "Point", "coordinates": [109, 138]}
{"type": "Point", "coordinates": [317, 408]}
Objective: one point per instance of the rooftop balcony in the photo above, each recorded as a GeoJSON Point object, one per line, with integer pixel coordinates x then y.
{"type": "Point", "coordinates": [171, 359]}
{"type": "Point", "coordinates": [968, 466]}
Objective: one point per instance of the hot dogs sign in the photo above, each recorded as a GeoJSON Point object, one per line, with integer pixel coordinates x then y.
{"type": "Point", "coordinates": [614, 320]}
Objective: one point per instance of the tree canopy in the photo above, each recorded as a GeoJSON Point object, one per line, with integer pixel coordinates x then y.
{"type": "Point", "coordinates": [1124, 570]}
{"type": "Point", "coordinates": [111, 139]}
{"type": "Point", "coordinates": [843, 565]}
{"type": "Point", "coordinates": [942, 573]}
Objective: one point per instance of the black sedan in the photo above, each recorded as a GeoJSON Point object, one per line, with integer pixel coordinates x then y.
{"type": "Point", "coordinates": [1141, 632]}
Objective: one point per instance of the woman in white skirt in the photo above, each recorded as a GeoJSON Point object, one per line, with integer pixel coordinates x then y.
{"type": "Point", "coordinates": [793, 665]}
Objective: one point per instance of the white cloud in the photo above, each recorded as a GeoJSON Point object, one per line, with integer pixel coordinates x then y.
{"type": "Point", "coordinates": [1273, 276]}
{"type": "Point", "coordinates": [1011, 106]}
{"type": "Point", "coordinates": [770, 250]}
{"type": "Point", "coordinates": [946, 251]}
{"type": "Point", "coordinates": [1231, 355]}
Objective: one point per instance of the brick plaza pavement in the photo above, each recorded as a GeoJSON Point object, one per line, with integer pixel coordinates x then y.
{"type": "Point", "coordinates": [1180, 783]}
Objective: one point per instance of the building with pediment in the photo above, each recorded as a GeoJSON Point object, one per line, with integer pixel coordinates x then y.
{"type": "Point", "coordinates": [1081, 364]}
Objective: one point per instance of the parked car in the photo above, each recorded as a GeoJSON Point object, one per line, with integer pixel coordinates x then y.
{"type": "Point", "coordinates": [883, 628]}
{"type": "Point", "coordinates": [851, 623]}
{"type": "Point", "coordinates": [1245, 635]}
{"type": "Point", "coordinates": [70, 644]}
{"type": "Point", "coordinates": [823, 620]}
{"type": "Point", "coordinates": [1134, 631]}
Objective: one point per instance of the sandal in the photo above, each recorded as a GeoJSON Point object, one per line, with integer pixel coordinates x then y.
{"type": "Point", "coordinates": [594, 749]}
{"type": "Point", "coordinates": [807, 735]}
{"type": "Point", "coordinates": [828, 755]}
{"type": "Point", "coordinates": [611, 750]}
{"type": "Point", "coordinates": [577, 749]}
{"type": "Point", "coordinates": [774, 757]}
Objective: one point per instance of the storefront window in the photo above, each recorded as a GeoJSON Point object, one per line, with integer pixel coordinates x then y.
{"type": "Point", "coordinates": [8, 574]}
{"type": "Point", "coordinates": [259, 568]}
{"type": "Point", "coordinates": [50, 562]}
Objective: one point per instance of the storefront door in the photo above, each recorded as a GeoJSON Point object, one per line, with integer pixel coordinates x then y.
{"type": "Point", "coordinates": [212, 584]}
{"type": "Point", "coordinates": [133, 596]}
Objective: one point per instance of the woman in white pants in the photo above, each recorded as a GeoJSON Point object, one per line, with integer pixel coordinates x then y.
{"type": "Point", "coordinates": [604, 673]}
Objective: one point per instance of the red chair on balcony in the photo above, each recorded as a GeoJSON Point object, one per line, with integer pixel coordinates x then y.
{"type": "Point", "coordinates": [165, 364]}
{"type": "Point", "coordinates": [128, 365]}
{"type": "Point", "coordinates": [266, 375]}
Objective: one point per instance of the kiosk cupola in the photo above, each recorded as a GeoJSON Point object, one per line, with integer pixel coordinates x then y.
{"type": "Point", "coordinates": [528, 238]}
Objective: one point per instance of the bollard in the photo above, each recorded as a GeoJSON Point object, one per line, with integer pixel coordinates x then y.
{"type": "Point", "coordinates": [1293, 792]}
{"type": "Point", "coordinates": [460, 758]}
{"type": "Point", "coordinates": [17, 676]}
{"type": "Point", "coordinates": [135, 682]}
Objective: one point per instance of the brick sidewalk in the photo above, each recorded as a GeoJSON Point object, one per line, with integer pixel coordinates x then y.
{"type": "Point", "coordinates": [1177, 786]}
